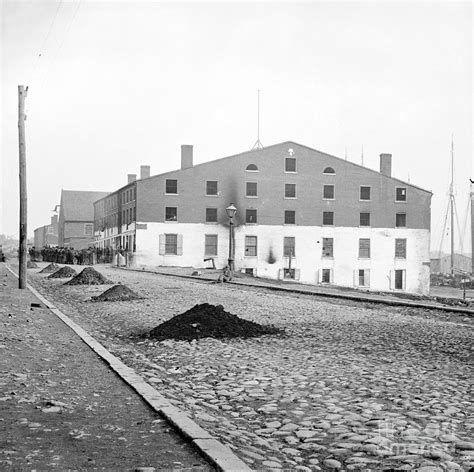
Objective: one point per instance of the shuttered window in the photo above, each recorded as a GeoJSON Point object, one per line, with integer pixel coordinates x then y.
{"type": "Point", "coordinates": [171, 244]}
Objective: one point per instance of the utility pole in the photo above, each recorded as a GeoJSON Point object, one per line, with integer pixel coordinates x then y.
{"type": "Point", "coordinates": [22, 92]}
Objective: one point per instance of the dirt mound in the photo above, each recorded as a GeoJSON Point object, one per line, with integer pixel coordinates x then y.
{"type": "Point", "coordinates": [117, 293]}
{"type": "Point", "coordinates": [31, 265]}
{"type": "Point", "coordinates": [209, 321]}
{"type": "Point", "coordinates": [53, 267]}
{"type": "Point", "coordinates": [89, 276]}
{"type": "Point", "coordinates": [63, 273]}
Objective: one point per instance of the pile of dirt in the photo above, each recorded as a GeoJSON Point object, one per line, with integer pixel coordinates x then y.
{"type": "Point", "coordinates": [31, 265]}
{"type": "Point", "coordinates": [117, 293]}
{"type": "Point", "coordinates": [63, 273]}
{"type": "Point", "coordinates": [209, 321]}
{"type": "Point", "coordinates": [53, 267]}
{"type": "Point", "coordinates": [89, 276]}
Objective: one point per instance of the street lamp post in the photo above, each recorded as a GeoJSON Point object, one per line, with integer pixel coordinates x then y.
{"type": "Point", "coordinates": [231, 210]}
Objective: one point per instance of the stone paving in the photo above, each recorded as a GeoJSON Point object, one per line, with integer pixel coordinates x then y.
{"type": "Point", "coordinates": [351, 386]}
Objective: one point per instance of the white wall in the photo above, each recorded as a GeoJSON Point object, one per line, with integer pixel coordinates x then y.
{"type": "Point", "coordinates": [308, 251]}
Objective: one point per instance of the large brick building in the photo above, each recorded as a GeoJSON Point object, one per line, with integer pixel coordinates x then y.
{"type": "Point", "coordinates": [333, 221]}
{"type": "Point", "coordinates": [76, 218]}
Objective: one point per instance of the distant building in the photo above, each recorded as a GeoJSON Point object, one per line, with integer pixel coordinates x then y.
{"type": "Point", "coordinates": [76, 218]}
{"type": "Point", "coordinates": [442, 265]}
{"type": "Point", "coordinates": [333, 221]}
{"type": "Point", "coordinates": [47, 235]}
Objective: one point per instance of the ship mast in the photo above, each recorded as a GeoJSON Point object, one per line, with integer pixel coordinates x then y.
{"type": "Point", "coordinates": [451, 204]}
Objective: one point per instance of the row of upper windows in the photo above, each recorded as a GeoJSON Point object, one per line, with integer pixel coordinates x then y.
{"type": "Point", "coordinates": [129, 195]}
{"type": "Point", "coordinates": [170, 245]}
{"type": "Point", "coordinates": [364, 248]}
{"type": "Point", "coordinates": [251, 190]}
{"type": "Point", "coordinates": [251, 216]}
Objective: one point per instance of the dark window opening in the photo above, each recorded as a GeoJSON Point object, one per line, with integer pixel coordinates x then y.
{"type": "Point", "coordinates": [290, 217]}
{"type": "Point", "coordinates": [211, 187]}
{"type": "Point", "coordinates": [365, 219]}
{"type": "Point", "coordinates": [171, 214]}
{"type": "Point", "coordinates": [251, 189]}
{"type": "Point", "coordinates": [401, 220]}
{"type": "Point", "coordinates": [211, 215]}
{"type": "Point", "coordinates": [365, 193]}
{"type": "Point", "coordinates": [328, 218]}
{"type": "Point", "coordinates": [290, 164]}
{"type": "Point", "coordinates": [171, 186]}
{"type": "Point", "coordinates": [250, 216]}
{"type": "Point", "coordinates": [328, 192]}
{"type": "Point", "coordinates": [290, 190]}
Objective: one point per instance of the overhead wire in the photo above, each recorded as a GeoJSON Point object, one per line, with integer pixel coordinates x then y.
{"type": "Point", "coordinates": [43, 44]}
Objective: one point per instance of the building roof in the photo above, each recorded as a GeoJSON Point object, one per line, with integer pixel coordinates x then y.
{"type": "Point", "coordinates": [294, 144]}
{"type": "Point", "coordinates": [78, 205]}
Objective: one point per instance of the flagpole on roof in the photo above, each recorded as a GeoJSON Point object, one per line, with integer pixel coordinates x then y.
{"type": "Point", "coordinates": [258, 144]}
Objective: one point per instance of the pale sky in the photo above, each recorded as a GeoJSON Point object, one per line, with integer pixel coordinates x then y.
{"type": "Point", "coordinates": [120, 84]}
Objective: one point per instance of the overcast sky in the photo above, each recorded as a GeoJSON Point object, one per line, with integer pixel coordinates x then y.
{"type": "Point", "coordinates": [120, 84]}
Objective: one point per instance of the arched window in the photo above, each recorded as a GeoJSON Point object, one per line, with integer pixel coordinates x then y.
{"type": "Point", "coordinates": [252, 168]}
{"type": "Point", "coordinates": [329, 170]}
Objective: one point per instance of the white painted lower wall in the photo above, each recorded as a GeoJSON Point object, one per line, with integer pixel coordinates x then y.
{"type": "Point", "coordinates": [308, 252]}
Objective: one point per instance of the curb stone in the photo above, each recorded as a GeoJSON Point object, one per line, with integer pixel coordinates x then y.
{"type": "Point", "coordinates": [218, 454]}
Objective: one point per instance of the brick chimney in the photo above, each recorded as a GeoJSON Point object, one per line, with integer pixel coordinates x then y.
{"type": "Point", "coordinates": [144, 172]}
{"type": "Point", "coordinates": [186, 156]}
{"type": "Point", "coordinates": [386, 164]}
{"type": "Point", "coordinates": [131, 178]}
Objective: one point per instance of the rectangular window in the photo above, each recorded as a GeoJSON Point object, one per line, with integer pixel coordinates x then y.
{"type": "Point", "coordinates": [210, 245]}
{"type": "Point", "coordinates": [251, 189]}
{"type": "Point", "coordinates": [134, 193]}
{"type": "Point", "coordinates": [328, 192]}
{"type": "Point", "coordinates": [328, 218]}
{"type": "Point", "coordinates": [171, 244]}
{"type": "Point", "coordinates": [399, 282]}
{"type": "Point", "coordinates": [290, 164]}
{"type": "Point", "coordinates": [50, 229]}
{"type": "Point", "coordinates": [365, 219]}
{"type": "Point", "coordinates": [251, 246]}
{"type": "Point", "coordinates": [401, 194]}
{"type": "Point", "coordinates": [250, 216]}
{"type": "Point", "coordinates": [364, 193]}
{"type": "Point", "coordinates": [290, 217]}
{"type": "Point", "coordinates": [289, 246]}
{"type": "Point", "coordinates": [364, 248]}
{"type": "Point", "coordinates": [171, 186]}
{"type": "Point", "coordinates": [211, 187]}
{"type": "Point", "coordinates": [362, 278]}
{"type": "Point", "coordinates": [290, 190]}
{"type": "Point", "coordinates": [328, 244]}
{"type": "Point", "coordinates": [88, 229]}
{"type": "Point", "coordinates": [211, 215]}
{"type": "Point", "coordinates": [171, 214]}
{"type": "Point", "coordinates": [326, 276]}
{"type": "Point", "coordinates": [400, 248]}
{"type": "Point", "coordinates": [401, 220]}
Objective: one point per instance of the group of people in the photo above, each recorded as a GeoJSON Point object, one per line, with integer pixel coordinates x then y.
{"type": "Point", "coordinates": [68, 255]}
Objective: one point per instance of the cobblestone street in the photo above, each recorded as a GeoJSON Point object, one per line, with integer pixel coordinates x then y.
{"type": "Point", "coordinates": [350, 386]}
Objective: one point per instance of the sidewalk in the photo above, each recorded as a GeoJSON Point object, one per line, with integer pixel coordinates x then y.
{"type": "Point", "coordinates": [454, 305]}
{"type": "Point", "coordinates": [64, 409]}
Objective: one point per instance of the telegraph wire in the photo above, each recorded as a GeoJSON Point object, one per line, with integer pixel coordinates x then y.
{"type": "Point", "coordinates": [43, 44]}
